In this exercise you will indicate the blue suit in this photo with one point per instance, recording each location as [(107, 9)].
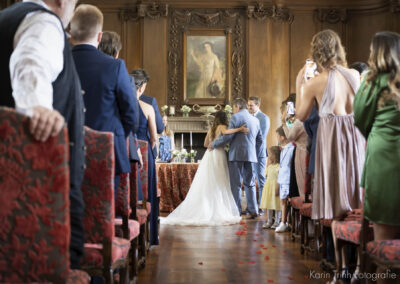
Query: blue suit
[(109, 99), (244, 151), (260, 166)]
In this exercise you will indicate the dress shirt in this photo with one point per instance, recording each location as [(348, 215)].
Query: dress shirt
[(37, 59)]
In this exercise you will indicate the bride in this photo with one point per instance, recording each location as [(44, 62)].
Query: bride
[(209, 201)]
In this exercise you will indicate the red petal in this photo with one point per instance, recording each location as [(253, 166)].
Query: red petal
[(223, 269), (240, 262), (200, 263), (254, 240), (284, 251), (242, 223), (290, 278), (305, 276), (270, 281), (261, 245), (258, 252), (274, 246), (252, 262), (266, 257), (265, 248)]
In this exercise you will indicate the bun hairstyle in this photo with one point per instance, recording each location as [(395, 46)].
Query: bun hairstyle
[(327, 49)]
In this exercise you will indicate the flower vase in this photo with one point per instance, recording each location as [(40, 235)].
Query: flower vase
[(185, 114), (192, 159)]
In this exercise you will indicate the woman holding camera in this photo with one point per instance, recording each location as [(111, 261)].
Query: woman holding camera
[(340, 146)]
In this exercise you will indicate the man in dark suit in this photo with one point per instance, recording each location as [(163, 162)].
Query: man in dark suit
[(109, 100), (151, 101)]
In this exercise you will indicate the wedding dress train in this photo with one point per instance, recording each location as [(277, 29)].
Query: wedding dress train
[(209, 201)]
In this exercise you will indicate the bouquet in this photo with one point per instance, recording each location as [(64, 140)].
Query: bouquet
[(164, 109), (228, 109)]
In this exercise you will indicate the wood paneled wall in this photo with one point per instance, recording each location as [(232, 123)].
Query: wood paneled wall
[(277, 44)]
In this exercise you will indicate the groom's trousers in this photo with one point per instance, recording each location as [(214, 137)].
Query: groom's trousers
[(243, 171)]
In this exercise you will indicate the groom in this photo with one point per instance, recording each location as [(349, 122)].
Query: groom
[(244, 150)]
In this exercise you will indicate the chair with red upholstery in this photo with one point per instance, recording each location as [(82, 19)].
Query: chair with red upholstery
[(295, 205), (104, 253), (384, 254), (34, 205), (142, 207), (124, 227)]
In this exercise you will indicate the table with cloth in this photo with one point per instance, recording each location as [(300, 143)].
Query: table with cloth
[(173, 182)]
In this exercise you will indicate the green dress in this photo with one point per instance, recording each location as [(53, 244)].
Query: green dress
[(381, 174)]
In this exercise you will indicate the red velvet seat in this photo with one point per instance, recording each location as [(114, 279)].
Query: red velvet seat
[(385, 252), (296, 202), (34, 205), (104, 252)]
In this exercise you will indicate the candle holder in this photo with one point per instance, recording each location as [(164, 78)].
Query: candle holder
[(171, 110)]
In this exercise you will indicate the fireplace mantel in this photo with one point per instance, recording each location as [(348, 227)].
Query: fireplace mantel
[(199, 124)]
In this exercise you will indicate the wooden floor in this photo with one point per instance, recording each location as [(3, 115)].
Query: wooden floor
[(220, 255)]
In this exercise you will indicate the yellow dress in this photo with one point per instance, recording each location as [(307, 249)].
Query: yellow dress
[(268, 198)]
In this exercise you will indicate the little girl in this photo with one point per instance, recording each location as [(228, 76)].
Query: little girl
[(270, 196), (284, 176)]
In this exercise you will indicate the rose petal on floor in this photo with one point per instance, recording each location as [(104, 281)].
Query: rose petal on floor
[(290, 278), (258, 252), (223, 269), (261, 245), (200, 263), (266, 257), (252, 262), (270, 281)]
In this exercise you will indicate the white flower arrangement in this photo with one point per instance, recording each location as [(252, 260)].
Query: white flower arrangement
[(228, 109), (192, 154), (185, 109), (164, 108)]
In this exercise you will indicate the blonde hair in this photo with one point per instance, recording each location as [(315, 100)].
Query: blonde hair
[(385, 58), (86, 22), (327, 49)]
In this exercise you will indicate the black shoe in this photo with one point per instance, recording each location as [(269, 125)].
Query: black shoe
[(260, 212), (252, 216)]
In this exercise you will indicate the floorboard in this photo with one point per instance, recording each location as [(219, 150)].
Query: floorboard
[(220, 255)]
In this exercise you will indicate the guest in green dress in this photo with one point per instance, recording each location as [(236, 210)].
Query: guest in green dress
[(377, 115)]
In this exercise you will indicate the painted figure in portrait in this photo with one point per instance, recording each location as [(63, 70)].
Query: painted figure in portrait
[(206, 61)]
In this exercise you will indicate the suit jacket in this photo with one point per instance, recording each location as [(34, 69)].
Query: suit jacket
[(243, 147), (264, 125), (109, 100), (152, 101)]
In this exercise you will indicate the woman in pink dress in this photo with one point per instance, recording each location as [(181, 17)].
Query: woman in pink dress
[(340, 146)]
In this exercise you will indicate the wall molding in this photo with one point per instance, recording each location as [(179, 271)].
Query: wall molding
[(152, 11), (331, 16), (262, 13), (231, 21), (395, 6)]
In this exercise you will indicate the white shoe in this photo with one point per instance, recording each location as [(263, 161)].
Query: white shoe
[(281, 228), (274, 226), (267, 225)]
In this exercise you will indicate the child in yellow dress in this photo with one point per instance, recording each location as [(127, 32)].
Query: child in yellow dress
[(270, 196)]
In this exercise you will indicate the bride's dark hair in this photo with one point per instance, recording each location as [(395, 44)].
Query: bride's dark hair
[(220, 118)]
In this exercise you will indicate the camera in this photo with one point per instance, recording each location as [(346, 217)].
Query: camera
[(290, 108), (311, 68)]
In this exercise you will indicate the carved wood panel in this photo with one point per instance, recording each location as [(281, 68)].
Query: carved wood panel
[(231, 21)]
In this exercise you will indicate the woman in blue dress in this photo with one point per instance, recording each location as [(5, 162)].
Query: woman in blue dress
[(165, 142), (148, 132)]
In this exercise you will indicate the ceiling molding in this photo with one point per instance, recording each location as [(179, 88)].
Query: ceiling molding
[(261, 13)]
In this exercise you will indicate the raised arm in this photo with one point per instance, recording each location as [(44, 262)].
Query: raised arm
[(222, 140), (305, 95), (224, 130)]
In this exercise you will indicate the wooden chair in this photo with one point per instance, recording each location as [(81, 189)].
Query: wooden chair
[(34, 206), (124, 226), (104, 253)]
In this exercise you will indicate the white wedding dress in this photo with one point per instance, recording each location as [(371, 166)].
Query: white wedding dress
[(209, 201)]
